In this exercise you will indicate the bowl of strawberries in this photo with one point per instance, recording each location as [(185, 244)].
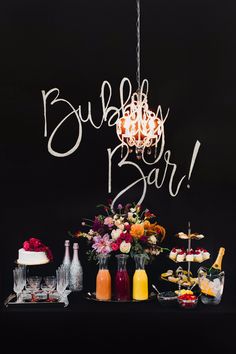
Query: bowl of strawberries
[(188, 301)]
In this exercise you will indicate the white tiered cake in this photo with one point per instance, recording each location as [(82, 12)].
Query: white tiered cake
[(31, 258), (34, 252)]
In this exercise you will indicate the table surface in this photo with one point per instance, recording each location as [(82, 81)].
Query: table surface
[(214, 326)]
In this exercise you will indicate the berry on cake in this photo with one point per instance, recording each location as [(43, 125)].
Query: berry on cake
[(34, 252)]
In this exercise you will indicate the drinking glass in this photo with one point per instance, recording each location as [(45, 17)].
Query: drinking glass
[(23, 269), (62, 281), (46, 289), (34, 282), (18, 280), (50, 282)]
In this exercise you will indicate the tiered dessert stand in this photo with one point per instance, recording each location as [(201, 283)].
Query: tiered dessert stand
[(190, 282)]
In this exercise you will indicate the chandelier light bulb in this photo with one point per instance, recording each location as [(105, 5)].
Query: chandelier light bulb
[(139, 127)]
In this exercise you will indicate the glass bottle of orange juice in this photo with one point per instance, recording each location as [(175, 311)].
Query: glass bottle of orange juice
[(103, 280), (140, 279)]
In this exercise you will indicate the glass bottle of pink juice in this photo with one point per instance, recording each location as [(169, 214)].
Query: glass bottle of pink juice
[(122, 281)]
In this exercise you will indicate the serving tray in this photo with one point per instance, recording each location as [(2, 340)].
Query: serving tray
[(11, 302), (92, 297)]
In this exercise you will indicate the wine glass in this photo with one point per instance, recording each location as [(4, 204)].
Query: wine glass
[(50, 282), (45, 289), (18, 280), (34, 282)]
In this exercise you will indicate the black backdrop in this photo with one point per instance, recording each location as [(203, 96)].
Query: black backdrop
[(187, 53)]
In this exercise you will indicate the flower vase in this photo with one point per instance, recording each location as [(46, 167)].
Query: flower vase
[(103, 279), (140, 279), (122, 281)]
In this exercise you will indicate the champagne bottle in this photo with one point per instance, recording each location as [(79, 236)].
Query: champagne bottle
[(217, 265), (212, 282), (76, 271), (66, 260)]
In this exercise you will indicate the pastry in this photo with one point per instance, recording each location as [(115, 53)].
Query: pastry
[(205, 254), (173, 254), (198, 256), (190, 256), (181, 256)]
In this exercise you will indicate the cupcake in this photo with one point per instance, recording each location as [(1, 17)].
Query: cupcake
[(198, 256), (190, 256), (205, 254), (181, 256), (173, 254)]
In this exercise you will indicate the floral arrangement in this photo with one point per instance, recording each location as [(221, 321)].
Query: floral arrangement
[(35, 245), (128, 230)]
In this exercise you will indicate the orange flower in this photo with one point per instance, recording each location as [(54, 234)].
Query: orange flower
[(137, 230), (156, 229), (146, 224), (78, 234), (162, 231)]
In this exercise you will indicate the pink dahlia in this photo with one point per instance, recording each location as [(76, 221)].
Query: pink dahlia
[(102, 244)]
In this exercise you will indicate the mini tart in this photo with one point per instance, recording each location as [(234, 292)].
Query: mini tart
[(194, 236), (173, 279), (182, 235), (167, 274)]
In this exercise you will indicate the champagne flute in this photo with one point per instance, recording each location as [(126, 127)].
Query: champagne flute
[(18, 280), (61, 280)]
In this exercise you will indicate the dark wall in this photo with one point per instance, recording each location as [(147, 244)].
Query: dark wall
[(187, 53)]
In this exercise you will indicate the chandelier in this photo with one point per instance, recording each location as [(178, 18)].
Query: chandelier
[(139, 128)]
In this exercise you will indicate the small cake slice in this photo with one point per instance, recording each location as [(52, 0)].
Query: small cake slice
[(205, 254), (181, 256), (198, 256), (173, 254), (190, 256)]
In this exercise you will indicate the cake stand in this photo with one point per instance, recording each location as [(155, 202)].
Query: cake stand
[(191, 282)]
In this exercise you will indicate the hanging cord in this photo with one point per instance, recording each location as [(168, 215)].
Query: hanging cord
[(138, 46)]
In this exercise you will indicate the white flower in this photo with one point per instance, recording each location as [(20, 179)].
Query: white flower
[(130, 216), (117, 222), (115, 234), (91, 232), (121, 227), (133, 210), (89, 237), (152, 239), (125, 247)]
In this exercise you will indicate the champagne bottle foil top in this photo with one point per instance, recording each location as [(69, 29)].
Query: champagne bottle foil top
[(67, 242), (75, 246)]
